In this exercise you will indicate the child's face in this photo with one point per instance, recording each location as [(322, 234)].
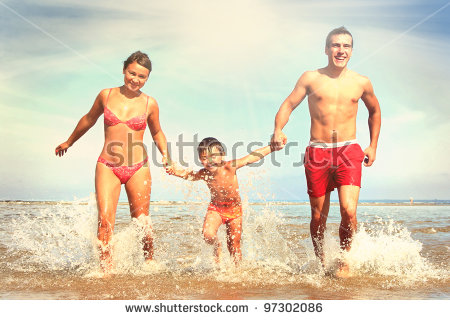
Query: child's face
[(211, 161)]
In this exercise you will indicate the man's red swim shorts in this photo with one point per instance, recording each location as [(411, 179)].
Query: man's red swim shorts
[(328, 167)]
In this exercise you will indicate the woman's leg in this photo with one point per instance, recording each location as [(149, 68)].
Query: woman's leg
[(107, 187), (138, 189)]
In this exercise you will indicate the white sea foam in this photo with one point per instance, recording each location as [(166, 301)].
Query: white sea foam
[(387, 248), (57, 237), (63, 237)]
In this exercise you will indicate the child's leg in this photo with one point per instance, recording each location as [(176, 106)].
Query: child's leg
[(234, 232), (212, 223)]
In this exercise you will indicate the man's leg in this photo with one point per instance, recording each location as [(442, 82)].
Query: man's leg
[(348, 201), (319, 214)]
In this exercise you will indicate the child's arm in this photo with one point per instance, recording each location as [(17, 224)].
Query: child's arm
[(255, 156), (183, 173)]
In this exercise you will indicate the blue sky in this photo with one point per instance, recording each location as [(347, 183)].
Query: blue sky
[(221, 69)]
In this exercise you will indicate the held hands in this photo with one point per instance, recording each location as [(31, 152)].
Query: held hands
[(62, 149), (167, 162), (278, 141), (169, 165), (171, 168), (370, 156), (175, 170)]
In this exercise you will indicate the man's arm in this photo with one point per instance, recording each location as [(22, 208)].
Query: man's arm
[(372, 105), (292, 101), (252, 157)]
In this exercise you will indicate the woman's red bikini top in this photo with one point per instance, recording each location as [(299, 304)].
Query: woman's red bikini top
[(136, 123)]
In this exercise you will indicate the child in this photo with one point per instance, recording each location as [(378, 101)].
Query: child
[(225, 206)]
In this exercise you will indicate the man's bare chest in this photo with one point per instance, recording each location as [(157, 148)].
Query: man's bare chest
[(341, 92)]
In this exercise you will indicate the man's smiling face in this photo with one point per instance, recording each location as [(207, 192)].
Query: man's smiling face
[(339, 50)]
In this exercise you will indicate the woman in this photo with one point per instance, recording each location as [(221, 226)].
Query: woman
[(123, 159)]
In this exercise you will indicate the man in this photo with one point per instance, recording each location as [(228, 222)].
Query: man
[(333, 158)]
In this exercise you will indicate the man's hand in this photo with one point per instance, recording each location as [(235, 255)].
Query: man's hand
[(278, 141), (370, 156)]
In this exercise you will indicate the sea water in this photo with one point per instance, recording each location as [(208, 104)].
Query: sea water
[(48, 250)]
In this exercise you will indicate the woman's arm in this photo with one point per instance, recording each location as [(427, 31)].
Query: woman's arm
[(157, 134), (85, 123)]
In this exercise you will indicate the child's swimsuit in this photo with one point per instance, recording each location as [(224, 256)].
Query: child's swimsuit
[(124, 173), (328, 166), (228, 211)]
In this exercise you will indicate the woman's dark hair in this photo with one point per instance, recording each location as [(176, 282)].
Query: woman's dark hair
[(141, 58)]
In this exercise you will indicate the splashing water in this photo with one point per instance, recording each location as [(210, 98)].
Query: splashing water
[(277, 249), (56, 237), (387, 249)]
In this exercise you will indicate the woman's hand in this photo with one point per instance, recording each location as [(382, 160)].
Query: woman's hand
[(170, 169), (174, 169), (62, 149), (166, 161)]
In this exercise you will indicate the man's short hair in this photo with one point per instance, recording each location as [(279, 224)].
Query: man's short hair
[(340, 30)]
